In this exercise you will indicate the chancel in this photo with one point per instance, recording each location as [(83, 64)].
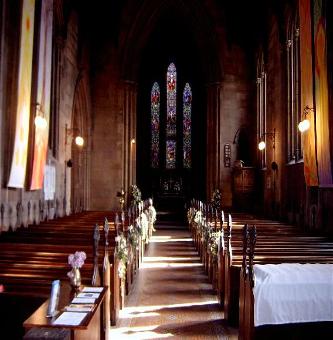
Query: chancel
[(184, 147)]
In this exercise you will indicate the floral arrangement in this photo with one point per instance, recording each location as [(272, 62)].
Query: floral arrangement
[(143, 224), (191, 214), (216, 199), (133, 236), (122, 254), (198, 218), (213, 244), (134, 194), (77, 260), (121, 249)]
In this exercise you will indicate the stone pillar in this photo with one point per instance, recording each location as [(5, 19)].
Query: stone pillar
[(213, 169), (129, 152)]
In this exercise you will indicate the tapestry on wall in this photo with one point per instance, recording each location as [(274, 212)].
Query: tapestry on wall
[(321, 94), (43, 94), (19, 161)]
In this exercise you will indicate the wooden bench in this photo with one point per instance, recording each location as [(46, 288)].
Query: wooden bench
[(246, 297), (28, 265), (275, 246)]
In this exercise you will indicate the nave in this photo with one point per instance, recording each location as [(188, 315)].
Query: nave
[(160, 288), (172, 297)]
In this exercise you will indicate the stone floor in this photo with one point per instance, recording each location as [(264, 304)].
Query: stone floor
[(171, 297)]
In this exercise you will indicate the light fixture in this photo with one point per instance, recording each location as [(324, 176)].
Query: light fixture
[(262, 143), (304, 125), (133, 141), (40, 121), (79, 141)]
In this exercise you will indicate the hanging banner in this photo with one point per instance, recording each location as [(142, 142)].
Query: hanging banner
[(321, 94), (308, 137), (43, 94), (19, 161)]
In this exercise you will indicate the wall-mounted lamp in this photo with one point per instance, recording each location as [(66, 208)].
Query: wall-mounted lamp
[(40, 121), (133, 141), (304, 125), (79, 141), (262, 143)]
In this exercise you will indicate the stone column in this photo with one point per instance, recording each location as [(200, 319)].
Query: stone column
[(213, 168), (129, 148)]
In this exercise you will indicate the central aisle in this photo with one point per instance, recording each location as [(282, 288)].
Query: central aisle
[(171, 296)]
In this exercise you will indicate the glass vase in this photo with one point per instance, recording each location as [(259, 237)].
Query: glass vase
[(75, 278)]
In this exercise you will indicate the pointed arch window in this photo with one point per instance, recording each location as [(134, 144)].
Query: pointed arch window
[(155, 124), (261, 106), (295, 151), (172, 138), (187, 122), (171, 128), (171, 100)]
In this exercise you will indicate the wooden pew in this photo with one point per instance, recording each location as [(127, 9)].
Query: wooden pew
[(246, 299), (274, 243), (37, 264)]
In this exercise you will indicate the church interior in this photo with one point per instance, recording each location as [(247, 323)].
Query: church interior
[(183, 146)]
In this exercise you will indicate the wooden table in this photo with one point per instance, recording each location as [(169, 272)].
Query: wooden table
[(90, 328)]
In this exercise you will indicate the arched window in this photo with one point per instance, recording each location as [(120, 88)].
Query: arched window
[(155, 125), (171, 143), (187, 108), (293, 85), (171, 100), (261, 105), (171, 137)]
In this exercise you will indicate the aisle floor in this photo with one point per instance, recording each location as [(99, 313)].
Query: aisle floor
[(171, 296)]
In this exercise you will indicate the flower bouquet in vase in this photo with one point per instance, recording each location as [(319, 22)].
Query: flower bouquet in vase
[(76, 261)]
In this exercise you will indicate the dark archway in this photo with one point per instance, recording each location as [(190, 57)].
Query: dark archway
[(179, 32), (171, 42), (79, 162)]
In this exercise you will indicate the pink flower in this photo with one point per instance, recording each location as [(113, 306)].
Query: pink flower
[(77, 260)]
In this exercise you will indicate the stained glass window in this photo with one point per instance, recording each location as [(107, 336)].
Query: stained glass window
[(170, 124), (171, 100), (170, 154), (155, 125), (187, 108)]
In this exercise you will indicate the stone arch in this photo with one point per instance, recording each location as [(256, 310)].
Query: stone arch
[(81, 122), (198, 22)]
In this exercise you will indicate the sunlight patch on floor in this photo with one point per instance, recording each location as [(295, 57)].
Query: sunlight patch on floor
[(143, 332), (160, 237), (171, 258), (146, 265), (124, 314), (157, 240), (145, 309)]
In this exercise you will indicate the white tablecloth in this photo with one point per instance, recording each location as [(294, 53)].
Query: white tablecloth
[(293, 293)]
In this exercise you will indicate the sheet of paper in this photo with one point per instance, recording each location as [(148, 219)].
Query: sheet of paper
[(70, 318), (92, 289), (83, 300), (79, 307), (88, 295)]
